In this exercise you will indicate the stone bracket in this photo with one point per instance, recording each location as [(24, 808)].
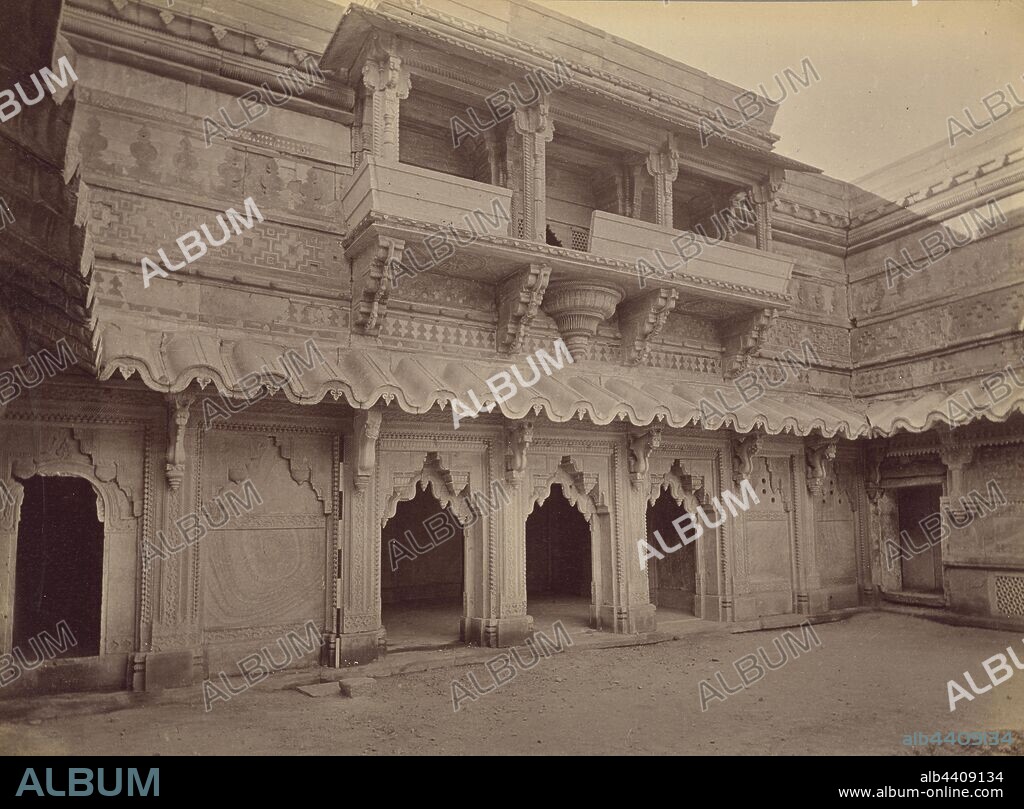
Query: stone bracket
[(743, 342), (518, 438), (641, 444), (641, 320), (178, 414), (377, 284), (366, 426), (744, 450), (519, 298), (817, 453)]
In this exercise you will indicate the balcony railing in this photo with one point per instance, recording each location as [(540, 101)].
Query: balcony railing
[(421, 195), (665, 249)]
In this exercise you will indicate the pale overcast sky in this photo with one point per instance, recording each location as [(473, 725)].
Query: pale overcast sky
[(892, 73)]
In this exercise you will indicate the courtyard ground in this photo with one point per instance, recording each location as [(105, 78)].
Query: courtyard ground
[(876, 678)]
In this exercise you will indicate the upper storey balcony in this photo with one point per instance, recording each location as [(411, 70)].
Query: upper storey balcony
[(585, 216)]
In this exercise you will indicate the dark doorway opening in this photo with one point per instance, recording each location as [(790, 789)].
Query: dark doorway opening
[(921, 561), (58, 574), (559, 575), (673, 580), (422, 574)]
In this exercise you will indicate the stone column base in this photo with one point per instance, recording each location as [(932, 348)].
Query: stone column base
[(638, 618), (495, 632), (351, 648), (153, 671)]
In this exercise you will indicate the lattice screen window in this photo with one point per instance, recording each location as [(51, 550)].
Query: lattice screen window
[(580, 239), (1010, 595)]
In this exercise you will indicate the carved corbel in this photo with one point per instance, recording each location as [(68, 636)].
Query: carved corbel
[(641, 444), (366, 425), (873, 486), (641, 320), (178, 413), (518, 438), (743, 342), (378, 282), (519, 298), (744, 450), (817, 454)]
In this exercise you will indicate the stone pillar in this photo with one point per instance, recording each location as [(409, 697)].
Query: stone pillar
[(358, 583), (510, 624), (663, 166), (386, 83), (532, 129), (640, 612)]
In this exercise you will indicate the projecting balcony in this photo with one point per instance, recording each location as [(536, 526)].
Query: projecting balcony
[(400, 195), (679, 256)]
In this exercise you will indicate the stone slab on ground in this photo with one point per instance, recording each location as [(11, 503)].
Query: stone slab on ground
[(319, 689), (357, 686)]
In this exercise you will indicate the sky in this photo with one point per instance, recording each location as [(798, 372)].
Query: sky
[(892, 72)]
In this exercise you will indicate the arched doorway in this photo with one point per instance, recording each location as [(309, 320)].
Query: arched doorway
[(559, 569), (673, 579), (422, 574), (58, 574)]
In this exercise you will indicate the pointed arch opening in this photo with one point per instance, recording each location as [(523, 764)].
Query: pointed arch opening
[(423, 562), (673, 579), (559, 561), (58, 572)]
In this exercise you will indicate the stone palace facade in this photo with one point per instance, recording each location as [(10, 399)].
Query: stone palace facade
[(398, 204)]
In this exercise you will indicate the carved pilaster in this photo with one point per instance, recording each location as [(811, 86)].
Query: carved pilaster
[(641, 445), (641, 320), (956, 456), (178, 413), (377, 281), (744, 450), (387, 82), (366, 426), (663, 166), (817, 454), (741, 342), (534, 129), (518, 438), (519, 298)]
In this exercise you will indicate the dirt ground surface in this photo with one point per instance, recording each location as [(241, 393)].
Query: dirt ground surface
[(876, 678)]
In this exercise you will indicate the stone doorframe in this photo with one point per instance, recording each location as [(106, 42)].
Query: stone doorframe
[(688, 491), (884, 516), (120, 546)]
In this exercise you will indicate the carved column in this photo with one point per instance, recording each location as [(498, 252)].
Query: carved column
[(358, 582), (531, 130), (386, 82), (761, 197), (663, 166), (873, 578)]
